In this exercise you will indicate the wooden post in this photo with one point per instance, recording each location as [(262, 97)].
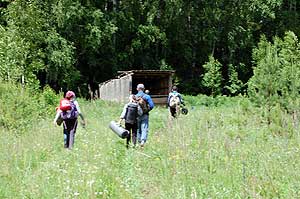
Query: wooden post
[(23, 82), (170, 84), (96, 94), (90, 91), (79, 91)]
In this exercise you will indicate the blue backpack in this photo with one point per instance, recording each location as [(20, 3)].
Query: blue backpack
[(70, 114)]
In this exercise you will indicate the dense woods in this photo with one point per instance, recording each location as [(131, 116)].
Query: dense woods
[(71, 43)]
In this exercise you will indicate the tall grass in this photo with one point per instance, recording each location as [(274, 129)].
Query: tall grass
[(224, 151)]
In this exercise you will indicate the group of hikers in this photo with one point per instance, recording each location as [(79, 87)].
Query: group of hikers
[(135, 114)]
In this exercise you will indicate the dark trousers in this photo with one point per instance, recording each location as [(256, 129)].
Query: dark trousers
[(173, 111), (69, 132), (132, 128)]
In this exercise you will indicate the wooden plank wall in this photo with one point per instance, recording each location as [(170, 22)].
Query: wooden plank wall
[(125, 89), (116, 89), (120, 89), (159, 99)]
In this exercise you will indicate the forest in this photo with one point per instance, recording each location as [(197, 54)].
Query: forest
[(214, 46)]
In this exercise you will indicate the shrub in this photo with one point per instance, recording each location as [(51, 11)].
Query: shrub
[(209, 101), (213, 76), (276, 78), (20, 107)]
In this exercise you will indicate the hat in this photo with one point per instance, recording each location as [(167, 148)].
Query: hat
[(70, 94), (140, 86)]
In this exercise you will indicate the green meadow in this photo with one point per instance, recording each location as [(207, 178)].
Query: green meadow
[(223, 148)]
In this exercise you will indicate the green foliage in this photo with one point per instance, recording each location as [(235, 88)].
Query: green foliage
[(19, 42), (98, 30), (280, 121), (164, 65), (218, 101), (65, 13), (91, 40), (276, 76), (290, 72), (235, 85), (264, 86), (13, 53), (213, 76), (148, 37), (22, 107), (48, 99), (60, 66)]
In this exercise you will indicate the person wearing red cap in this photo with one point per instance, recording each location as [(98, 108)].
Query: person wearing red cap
[(68, 111)]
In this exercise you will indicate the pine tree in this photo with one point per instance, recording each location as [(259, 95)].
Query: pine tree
[(276, 78), (213, 76)]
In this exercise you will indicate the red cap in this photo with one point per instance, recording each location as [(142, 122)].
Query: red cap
[(70, 94)]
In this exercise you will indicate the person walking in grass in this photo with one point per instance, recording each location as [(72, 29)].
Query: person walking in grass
[(147, 105), (174, 101), (68, 112), (130, 113)]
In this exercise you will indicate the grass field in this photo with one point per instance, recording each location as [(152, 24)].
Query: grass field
[(226, 151)]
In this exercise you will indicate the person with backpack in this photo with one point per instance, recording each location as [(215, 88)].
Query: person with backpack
[(68, 112), (174, 101), (147, 105), (130, 113)]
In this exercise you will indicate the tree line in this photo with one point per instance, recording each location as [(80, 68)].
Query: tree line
[(216, 47)]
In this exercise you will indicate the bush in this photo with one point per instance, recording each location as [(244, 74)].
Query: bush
[(276, 78), (49, 99), (209, 101), (20, 108)]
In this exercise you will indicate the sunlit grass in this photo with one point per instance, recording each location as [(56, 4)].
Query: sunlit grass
[(213, 152)]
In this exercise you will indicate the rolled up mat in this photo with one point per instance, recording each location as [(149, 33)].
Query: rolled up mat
[(118, 129), (184, 111)]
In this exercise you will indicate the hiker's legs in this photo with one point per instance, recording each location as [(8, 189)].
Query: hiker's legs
[(177, 110), (70, 129), (66, 138), (144, 128), (71, 140), (128, 127), (134, 132), (173, 112), (139, 130), (72, 134), (132, 128)]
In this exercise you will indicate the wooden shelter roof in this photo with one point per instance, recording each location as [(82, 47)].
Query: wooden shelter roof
[(146, 72)]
